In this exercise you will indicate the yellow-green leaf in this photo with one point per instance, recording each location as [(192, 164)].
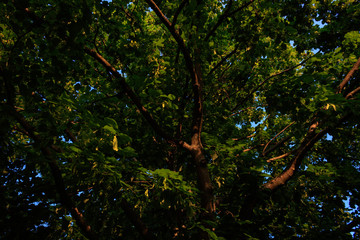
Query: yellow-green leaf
[(115, 144)]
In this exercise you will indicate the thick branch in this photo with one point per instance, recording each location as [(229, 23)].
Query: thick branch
[(181, 109), (176, 35), (198, 106), (130, 93), (348, 76), (195, 74), (69, 134), (306, 145), (300, 153), (59, 182), (196, 147), (311, 138)]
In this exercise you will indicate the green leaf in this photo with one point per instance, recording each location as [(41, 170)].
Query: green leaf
[(110, 129), (75, 149), (111, 122)]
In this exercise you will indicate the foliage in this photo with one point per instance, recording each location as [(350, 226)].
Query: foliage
[(179, 119)]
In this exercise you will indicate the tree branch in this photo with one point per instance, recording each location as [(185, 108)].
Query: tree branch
[(251, 148), (263, 153), (65, 197), (176, 35), (181, 6), (221, 19), (226, 14), (348, 76), (222, 61), (267, 79), (241, 8), (198, 105), (280, 157), (59, 182), (70, 135), (352, 93), (196, 148), (276, 145), (309, 141), (242, 110), (130, 93), (195, 74)]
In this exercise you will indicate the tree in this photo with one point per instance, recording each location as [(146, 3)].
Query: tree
[(180, 119)]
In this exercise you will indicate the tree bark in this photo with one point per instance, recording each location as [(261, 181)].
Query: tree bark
[(204, 181)]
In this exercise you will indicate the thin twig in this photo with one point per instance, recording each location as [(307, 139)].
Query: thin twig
[(267, 79), (352, 93), (277, 145), (279, 157), (226, 14), (242, 110), (222, 61), (221, 19), (276, 136)]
